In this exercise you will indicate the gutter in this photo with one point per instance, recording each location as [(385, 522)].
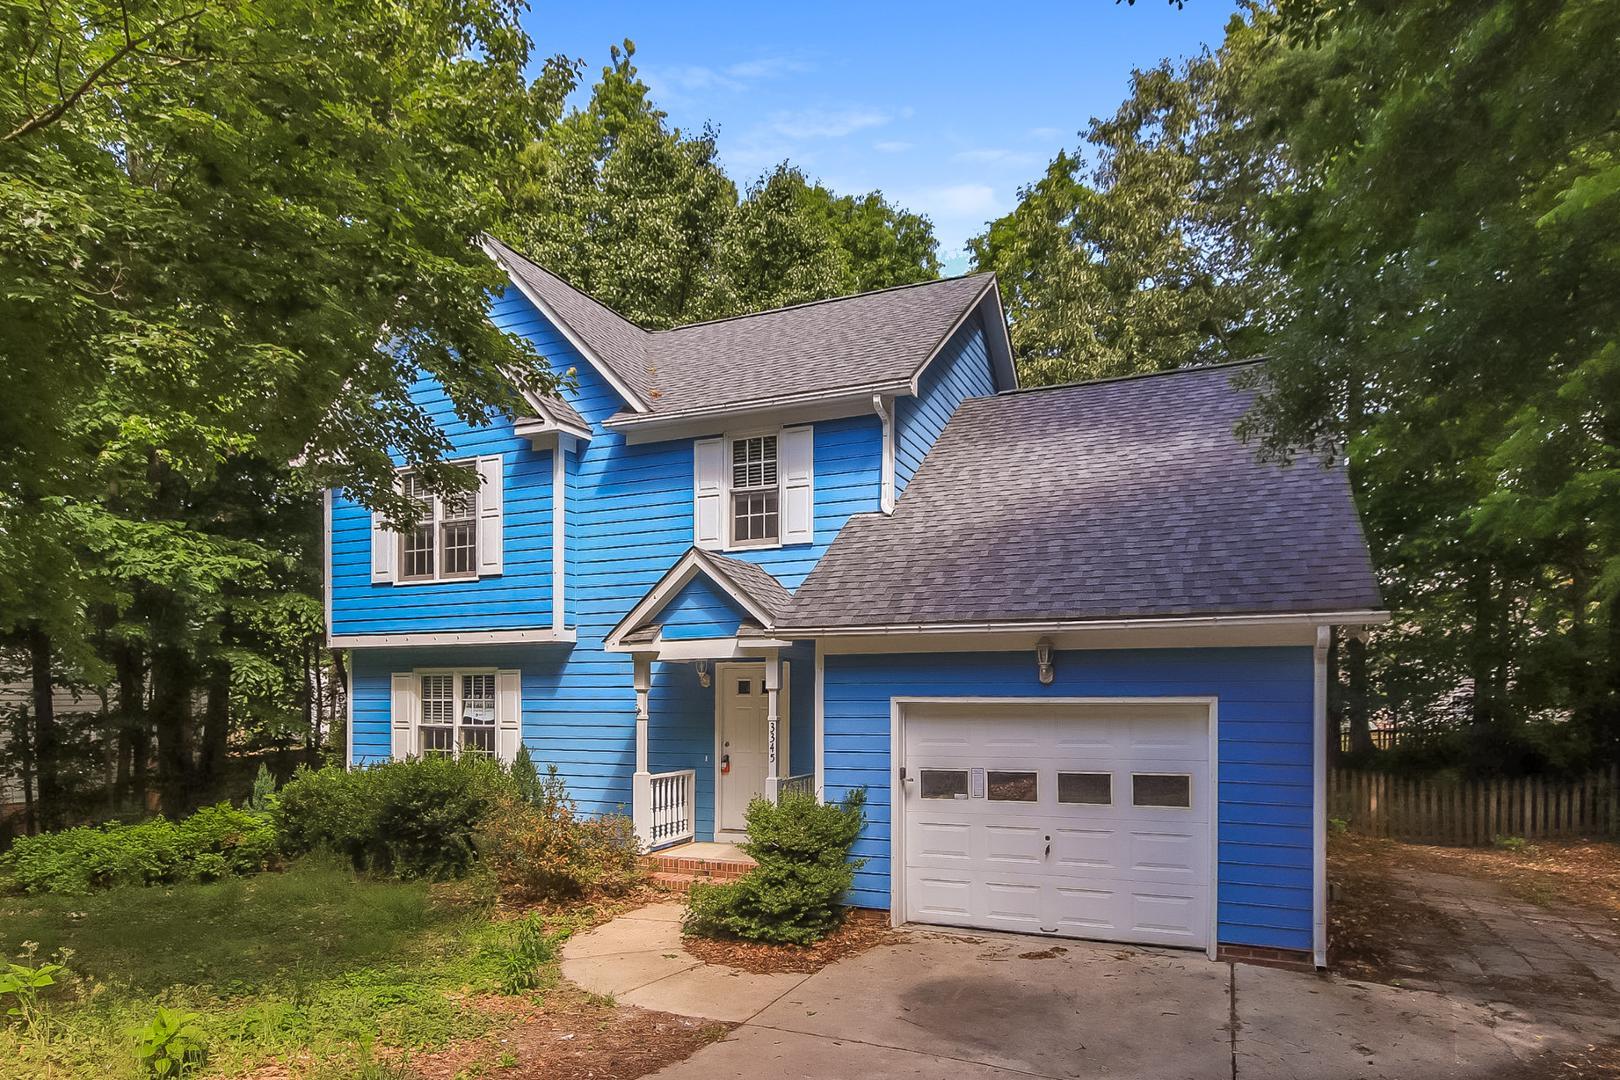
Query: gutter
[(1325, 618)]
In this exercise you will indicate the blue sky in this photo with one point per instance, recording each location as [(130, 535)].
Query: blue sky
[(947, 107)]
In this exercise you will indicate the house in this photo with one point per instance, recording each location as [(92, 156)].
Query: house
[(1071, 641)]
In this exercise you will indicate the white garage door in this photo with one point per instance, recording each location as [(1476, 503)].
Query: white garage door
[(1076, 820)]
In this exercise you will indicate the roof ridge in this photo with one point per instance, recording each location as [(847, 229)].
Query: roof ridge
[(823, 300), (1133, 377)]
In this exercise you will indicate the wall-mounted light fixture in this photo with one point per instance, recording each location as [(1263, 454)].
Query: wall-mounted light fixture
[(1043, 661), (703, 672)]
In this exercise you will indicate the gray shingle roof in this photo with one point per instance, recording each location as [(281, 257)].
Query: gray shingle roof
[(872, 340), (1127, 498), (752, 580)]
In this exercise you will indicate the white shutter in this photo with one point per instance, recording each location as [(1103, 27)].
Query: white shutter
[(708, 493), (384, 550), (508, 715), (491, 483), (403, 708), (796, 451)]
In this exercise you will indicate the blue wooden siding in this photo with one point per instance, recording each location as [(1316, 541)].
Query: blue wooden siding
[(961, 370), (700, 610), (1265, 778), (629, 520), (519, 597)]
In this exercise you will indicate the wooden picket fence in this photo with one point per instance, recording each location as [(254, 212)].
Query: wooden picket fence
[(1475, 812)]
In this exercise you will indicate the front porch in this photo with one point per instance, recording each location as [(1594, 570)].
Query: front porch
[(683, 865), (716, 695)]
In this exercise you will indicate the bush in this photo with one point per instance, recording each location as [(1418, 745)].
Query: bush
[(213, 842), (413, 819), (792, 896), (540, 849)]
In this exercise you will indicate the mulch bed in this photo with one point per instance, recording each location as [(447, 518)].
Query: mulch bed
[(571, 1035), (862, 930)]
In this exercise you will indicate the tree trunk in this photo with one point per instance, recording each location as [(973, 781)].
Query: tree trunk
[(340, 700), (1355, 695), (22, 744), (216, 726), (132, 744), (46, 781), (173, 680)]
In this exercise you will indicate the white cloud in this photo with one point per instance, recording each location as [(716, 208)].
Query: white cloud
[(817, 123), (891, 146), (769, 67)]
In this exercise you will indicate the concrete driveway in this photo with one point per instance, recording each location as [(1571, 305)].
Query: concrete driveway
[(989, 1005)]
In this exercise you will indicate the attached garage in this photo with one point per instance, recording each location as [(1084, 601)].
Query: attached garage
[(1088, 819)]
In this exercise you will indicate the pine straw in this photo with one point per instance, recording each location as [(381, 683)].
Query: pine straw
[(572, 1035), (861, 930)]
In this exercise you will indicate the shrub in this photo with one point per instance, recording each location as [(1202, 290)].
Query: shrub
[(413, 819), (539, 848), (792, 896), (211, 843), (531, 948), (172, 1044)]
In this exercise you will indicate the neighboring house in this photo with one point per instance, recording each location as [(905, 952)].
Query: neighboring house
[(1071, 641)]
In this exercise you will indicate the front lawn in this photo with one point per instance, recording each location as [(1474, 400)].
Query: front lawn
[(313, 971)]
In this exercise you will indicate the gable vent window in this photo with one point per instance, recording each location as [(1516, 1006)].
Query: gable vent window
[(755, 496)]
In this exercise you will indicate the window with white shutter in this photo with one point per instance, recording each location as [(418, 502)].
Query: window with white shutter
[(754, 491), (457, 536), (460, 713)]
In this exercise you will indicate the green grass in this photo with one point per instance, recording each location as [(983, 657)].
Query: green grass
[(312, 966)]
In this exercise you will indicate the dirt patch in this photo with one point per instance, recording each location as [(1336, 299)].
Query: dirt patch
[(571, 1035), (862, 930), (1580, 872), (1044, 954)]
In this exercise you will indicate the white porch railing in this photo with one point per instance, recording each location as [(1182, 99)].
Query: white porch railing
[(803, 784), (674, 807)]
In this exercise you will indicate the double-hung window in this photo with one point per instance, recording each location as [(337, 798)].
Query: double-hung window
[(755, 492), (458, 714), (444, 543)]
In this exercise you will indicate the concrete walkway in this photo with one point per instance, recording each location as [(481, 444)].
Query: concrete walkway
[(993, 1005), (637, 959)]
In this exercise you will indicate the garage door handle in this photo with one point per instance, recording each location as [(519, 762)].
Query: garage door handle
[(1048, 847)]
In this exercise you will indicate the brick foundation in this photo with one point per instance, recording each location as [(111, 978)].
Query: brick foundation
[(1288, 959)]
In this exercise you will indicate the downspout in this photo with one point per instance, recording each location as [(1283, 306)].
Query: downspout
[(884, 407), (1319, 934)]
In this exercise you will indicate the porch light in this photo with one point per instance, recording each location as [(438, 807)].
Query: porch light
[(1043, 661), (703, 673)]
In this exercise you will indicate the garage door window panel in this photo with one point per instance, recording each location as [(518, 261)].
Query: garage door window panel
[(1168, 791), (1013, 787), (1086, 788), (944, 783)]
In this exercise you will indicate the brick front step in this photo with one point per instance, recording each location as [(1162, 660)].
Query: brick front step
[(678, 872), (1288, 959)]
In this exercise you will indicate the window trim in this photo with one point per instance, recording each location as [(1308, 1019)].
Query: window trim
[(729, 440), (436, 522), (457, 709)]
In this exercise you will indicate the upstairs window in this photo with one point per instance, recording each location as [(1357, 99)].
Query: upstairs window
[(443, 546), (755, 492)]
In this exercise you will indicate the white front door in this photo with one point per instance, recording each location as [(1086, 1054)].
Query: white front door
[(744, 742), (1078, 820)]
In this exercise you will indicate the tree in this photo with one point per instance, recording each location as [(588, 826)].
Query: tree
[(232, 231), (641, 216), (1450, 236), (619, 203), (1144, 261)]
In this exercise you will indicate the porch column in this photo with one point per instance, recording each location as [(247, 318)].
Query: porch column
[(773, 757), (641, 782)]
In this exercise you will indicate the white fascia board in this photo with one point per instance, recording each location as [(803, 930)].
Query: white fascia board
[(675, 578), (772, 412), (619, 385), (915, 383), (450, 637)]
